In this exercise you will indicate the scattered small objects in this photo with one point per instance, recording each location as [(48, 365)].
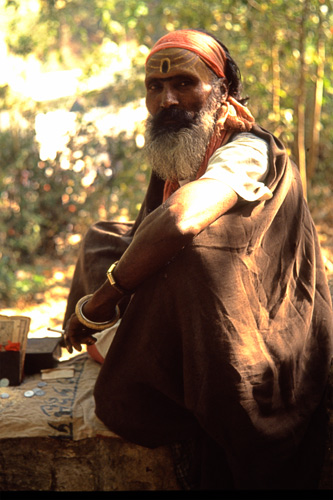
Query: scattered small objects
[(39, 392), (55, 373), (29, 394)]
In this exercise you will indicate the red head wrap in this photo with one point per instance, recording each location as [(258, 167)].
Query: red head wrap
[(205, 46)]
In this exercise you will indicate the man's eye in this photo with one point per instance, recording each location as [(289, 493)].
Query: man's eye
[(185, 83), (153, 86)]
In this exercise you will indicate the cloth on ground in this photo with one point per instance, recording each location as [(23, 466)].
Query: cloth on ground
[(65, 410)]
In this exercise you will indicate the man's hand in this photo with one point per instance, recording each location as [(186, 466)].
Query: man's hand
[(77, 334)]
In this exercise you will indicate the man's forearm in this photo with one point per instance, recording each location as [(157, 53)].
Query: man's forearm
[(172, 226), (155, 242), (153, 246), (161, 235)]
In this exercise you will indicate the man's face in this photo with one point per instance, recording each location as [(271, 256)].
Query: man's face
[(178, 84), (182, 98)]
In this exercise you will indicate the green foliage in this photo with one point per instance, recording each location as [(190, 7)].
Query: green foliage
[(19, 227), (45, 203), (77, 30)]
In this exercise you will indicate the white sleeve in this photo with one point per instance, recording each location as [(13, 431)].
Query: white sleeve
[(243, 165)]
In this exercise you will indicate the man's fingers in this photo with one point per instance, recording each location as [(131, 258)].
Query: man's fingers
[(77, 343), (77, 346), (68, 344), (85, 340), (76, 334)]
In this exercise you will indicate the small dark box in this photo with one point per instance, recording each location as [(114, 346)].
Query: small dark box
[(41, 354), (10, 366)]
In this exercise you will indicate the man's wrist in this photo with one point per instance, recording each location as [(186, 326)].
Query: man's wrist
[(114, 282), (89, 322), (101, 303)]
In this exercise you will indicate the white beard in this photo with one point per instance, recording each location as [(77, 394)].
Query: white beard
[(178, 155)]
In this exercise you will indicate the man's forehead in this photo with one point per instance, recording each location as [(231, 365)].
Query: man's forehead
[(175, 59)]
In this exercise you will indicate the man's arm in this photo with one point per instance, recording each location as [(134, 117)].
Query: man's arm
[(161, 235), (171, 226)]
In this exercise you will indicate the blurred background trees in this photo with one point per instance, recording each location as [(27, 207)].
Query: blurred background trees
[(72, 108)]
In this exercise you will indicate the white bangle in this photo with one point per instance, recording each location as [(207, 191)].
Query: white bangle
[(93, 324)]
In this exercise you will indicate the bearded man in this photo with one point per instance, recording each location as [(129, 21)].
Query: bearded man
[(225, 339)]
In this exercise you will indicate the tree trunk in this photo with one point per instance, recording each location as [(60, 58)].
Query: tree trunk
[(276, 80), (301, 102), (314, 146)]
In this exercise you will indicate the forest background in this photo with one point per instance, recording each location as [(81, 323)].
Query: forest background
[(72, 115)]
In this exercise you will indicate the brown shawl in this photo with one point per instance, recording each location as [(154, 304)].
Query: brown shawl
[(231, 340)]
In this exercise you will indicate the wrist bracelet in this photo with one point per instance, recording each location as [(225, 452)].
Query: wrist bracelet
[(93, 324)]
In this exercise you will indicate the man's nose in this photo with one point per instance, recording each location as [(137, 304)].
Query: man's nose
[(169, 97)]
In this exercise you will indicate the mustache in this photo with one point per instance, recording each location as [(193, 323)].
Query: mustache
[(172, 120)]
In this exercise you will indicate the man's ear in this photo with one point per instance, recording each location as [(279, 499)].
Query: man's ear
[(224, 88)]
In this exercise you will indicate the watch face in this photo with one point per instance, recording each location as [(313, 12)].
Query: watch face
[(112, 280)]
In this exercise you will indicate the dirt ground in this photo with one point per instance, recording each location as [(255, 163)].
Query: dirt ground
[(48, 309)]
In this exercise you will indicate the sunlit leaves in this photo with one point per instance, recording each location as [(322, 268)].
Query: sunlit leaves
[(46, 204)]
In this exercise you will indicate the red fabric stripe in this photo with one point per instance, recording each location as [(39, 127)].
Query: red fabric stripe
[(204, 45)]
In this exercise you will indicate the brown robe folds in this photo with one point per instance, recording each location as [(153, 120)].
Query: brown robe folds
[(230, 343)]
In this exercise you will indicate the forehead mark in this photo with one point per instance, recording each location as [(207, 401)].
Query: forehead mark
[(178, 59), (180, 62), (165, 65)]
